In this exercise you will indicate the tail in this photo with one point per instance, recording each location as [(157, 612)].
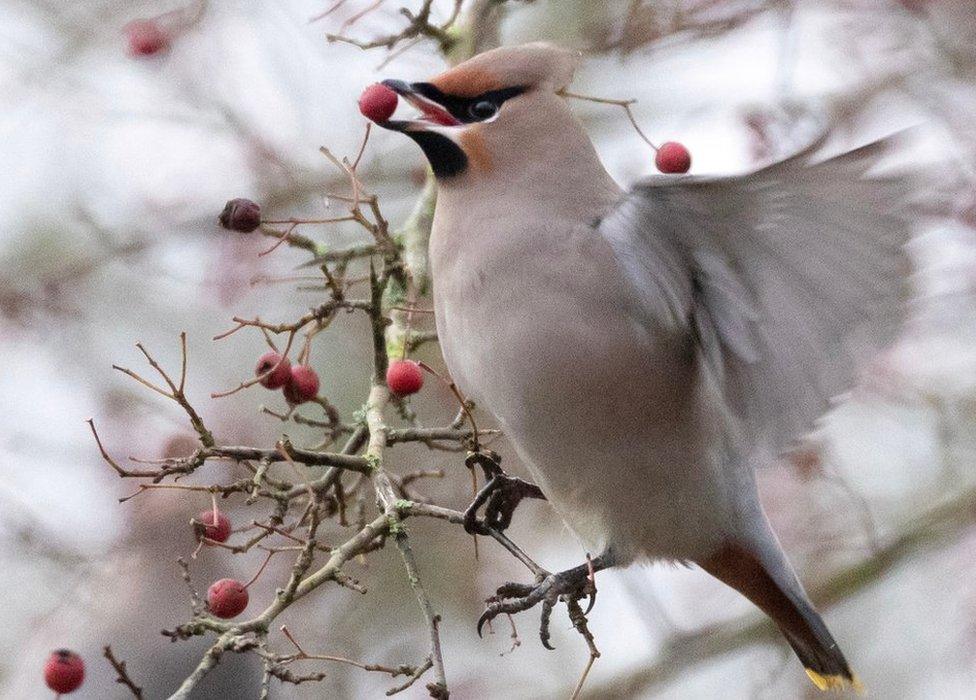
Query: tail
[(768, 581)]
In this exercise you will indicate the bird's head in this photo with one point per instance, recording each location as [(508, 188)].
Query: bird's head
[(489, 111)]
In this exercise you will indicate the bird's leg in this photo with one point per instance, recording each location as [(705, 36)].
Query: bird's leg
[(500, 496), (571, 585)]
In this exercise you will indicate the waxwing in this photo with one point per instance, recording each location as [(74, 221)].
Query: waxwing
[(644, 351)]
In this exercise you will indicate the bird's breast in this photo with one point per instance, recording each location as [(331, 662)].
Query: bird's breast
[(600, 408)]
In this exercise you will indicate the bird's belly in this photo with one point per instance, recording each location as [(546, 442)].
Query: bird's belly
[(605, 421)]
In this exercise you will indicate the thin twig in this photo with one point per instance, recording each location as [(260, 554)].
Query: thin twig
[(624, 104), (123, 674)]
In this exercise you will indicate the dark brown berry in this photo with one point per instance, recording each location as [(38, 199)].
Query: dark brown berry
[(241, 215)]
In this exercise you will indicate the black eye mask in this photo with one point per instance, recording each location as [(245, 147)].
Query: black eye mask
[(469, 110)]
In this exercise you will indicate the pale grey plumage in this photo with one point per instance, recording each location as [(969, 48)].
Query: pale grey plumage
[(644, 351), (793, 275)]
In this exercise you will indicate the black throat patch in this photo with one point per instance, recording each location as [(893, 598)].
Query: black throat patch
[(445, 157)]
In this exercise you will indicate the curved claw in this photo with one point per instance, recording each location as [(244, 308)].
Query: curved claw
[(570, 586), (486, 616), (592, 601), (544, 626)]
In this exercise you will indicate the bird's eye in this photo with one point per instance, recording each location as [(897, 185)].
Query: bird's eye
[(482, 110)]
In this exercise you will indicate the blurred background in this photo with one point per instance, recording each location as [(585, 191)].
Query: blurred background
[(117, 167)]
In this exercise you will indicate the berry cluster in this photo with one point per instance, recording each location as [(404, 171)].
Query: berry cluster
[(227, 597), (298, 383)]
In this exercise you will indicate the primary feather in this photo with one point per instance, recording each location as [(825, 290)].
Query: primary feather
[(794, 275)]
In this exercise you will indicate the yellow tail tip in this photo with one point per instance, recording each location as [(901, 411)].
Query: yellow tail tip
[(835, 682)]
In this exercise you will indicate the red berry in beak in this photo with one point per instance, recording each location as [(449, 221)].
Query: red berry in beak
[(378, 103), (64, 671), (281, 374), (241, 215), (146, 38), (206, 527), (672, 157), (227, 598), (302, 385), (404, 377)]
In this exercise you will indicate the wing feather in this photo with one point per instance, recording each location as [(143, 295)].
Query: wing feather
[(792, 274)]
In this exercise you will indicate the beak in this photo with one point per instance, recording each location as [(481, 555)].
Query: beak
[(432, 113)]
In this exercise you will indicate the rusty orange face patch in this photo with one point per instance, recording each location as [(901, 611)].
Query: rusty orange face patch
[(465, 82), (473, 144)]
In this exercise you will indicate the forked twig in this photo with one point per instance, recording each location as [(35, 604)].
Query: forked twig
[(623, 104)]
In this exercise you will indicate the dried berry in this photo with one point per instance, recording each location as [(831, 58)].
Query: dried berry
[(241, 215)]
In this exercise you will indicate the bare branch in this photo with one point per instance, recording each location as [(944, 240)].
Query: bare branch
[(623, 104), (123, 675)]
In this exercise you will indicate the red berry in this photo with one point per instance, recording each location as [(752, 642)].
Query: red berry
[(282, 370), (241, 215), (404, 377), (378, 102), (206, 527), (146, 38), (227, 598), (302, 386), (64, 671), (672, 157)]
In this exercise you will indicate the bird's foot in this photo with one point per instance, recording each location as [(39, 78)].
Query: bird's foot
[(571, 586), (500, 496)]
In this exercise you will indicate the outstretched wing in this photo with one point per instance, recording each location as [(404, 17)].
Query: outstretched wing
[(789, 276)]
